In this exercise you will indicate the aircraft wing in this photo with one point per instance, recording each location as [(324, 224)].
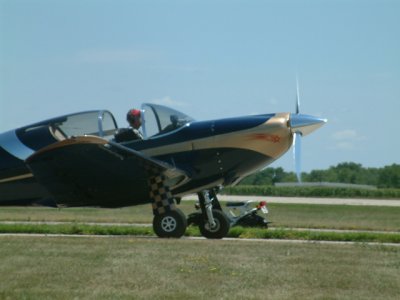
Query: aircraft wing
[(89, 170), (149, 164)]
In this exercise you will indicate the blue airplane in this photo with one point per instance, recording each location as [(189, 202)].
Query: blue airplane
[(84, 159)]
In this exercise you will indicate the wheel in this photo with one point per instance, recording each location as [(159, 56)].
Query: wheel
[(195, 218), (220, 229), (170, 224), (253, 220)]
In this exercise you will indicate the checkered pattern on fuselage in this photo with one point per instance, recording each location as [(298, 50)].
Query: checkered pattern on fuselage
[(160, 195)]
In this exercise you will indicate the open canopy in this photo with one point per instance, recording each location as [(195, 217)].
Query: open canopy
[(159, 120)]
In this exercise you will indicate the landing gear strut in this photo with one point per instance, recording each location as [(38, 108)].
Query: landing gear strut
[(213, 223), (169, 221)]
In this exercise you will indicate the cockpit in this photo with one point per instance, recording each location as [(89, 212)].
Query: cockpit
[(159, 120), (99, 123)]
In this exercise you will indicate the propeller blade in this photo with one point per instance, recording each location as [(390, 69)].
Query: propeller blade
[(297, 96), (297, 154)]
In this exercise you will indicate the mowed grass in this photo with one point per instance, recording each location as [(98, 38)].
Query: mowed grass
[(335, 217), (135, 268), (282, 215), (235, 232)]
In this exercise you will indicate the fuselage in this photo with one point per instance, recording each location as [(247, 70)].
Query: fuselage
[(212, 153), (17, 183), (220, 152)]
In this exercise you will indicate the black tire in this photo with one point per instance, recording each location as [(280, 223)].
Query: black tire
[(253, 220), (221, 228), (195, 219), (171, 224)]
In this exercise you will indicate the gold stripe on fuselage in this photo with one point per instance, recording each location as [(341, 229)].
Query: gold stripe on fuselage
[(14, 178), (87, 139), (272, 138)]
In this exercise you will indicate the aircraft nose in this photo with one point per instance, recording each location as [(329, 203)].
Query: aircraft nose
[(305, 124)]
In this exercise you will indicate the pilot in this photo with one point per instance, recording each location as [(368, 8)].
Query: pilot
[(134, 118), (132, 133)]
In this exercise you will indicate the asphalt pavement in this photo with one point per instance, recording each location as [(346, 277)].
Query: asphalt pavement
[(300, 200)]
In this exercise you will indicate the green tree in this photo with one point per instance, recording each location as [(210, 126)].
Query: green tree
[(389, 176), (347, 172)]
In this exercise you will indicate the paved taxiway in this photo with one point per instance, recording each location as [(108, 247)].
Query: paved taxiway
[(40, 235), (299, 200), (293, 200), (150, 225)]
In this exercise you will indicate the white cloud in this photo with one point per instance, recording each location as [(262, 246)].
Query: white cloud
[(180, 68), (168, 101), (345, 145), (346, 139), (273, 101), (345, 134), (113, 55)]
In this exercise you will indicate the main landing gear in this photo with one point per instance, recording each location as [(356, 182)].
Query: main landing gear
[(212, 221), (170, 222)]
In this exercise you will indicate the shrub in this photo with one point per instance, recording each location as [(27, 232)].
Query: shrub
[(324, 192)]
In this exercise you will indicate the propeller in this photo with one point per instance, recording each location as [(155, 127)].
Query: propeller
[(301, 125), (297, 154), (297, 137), (297, 96)]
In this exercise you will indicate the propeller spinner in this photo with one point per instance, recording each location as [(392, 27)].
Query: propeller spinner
[(301, 125)]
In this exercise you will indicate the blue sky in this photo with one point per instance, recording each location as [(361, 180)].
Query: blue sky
[(212, 59)]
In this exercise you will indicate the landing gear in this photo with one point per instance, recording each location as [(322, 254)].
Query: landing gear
[(212, 221), (171, 224), (169, 221), (216, 230)]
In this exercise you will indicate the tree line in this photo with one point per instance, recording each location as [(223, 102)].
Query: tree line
[(347, 172)]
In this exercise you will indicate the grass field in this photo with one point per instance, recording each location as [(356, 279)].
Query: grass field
[(282, 215), (126, 267), (134, 268)]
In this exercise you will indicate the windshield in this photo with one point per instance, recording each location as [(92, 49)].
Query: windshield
[(159, 119), (100, 123)]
